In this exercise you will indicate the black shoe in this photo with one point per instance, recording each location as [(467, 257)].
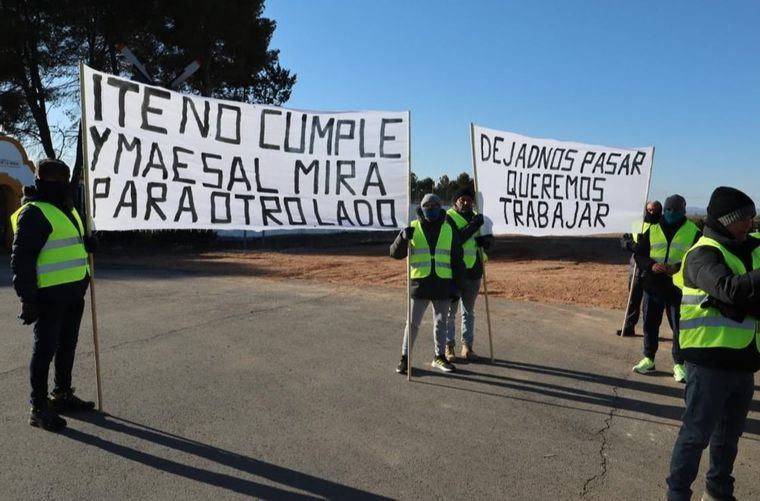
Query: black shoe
[(66, 401), (46, 418), (625, 333), (402, 365)]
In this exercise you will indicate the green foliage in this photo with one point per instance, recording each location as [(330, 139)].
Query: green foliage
[(43, 41), (445, 188)]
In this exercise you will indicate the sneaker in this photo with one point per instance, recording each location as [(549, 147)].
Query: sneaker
[(46, 418), (467, 353), (645, 366), (449, 352), (402, 365), (679, 373), (66, 401), (442, 364)]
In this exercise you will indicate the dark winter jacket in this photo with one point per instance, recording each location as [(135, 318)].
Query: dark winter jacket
[(659, 284), (705, 269), (32, 234), (432, 286), (464, 234)]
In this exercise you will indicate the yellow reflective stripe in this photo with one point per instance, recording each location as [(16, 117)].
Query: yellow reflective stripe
[(693, 299), (721, 321), (64, 265), (420, 250), (64, 242)]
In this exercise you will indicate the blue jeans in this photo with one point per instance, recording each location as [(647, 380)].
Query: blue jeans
[(654, 306), (469, 295), (717, 403)]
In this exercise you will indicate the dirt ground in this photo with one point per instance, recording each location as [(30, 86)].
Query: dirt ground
[(582, 271)]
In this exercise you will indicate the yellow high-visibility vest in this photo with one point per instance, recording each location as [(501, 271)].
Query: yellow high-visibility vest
[(470, 247), (637, 229), (706, 327), (672, 252), (421, 260), (63, 258)]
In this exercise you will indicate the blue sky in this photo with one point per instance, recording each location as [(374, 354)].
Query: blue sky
[(683, 76)]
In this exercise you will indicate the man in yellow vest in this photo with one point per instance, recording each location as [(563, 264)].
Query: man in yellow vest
[(653, 212), (467, 222), (51, 275), (658, 254), (720, 279), (436, 272)]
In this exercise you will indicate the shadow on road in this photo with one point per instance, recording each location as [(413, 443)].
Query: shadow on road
[(576, 394), (319, 488)]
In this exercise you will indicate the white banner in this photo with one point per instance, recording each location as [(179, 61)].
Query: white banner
[(163, 160), (543, 187)]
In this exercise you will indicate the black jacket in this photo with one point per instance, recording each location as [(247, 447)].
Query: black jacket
[(432, 286), (659, 284), (31, 236), (705, 269)]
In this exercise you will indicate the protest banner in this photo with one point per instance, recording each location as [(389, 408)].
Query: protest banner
[(541, 187), (163, 160)]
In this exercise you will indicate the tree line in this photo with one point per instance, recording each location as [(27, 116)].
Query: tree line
[(43, 41), (444, 187)]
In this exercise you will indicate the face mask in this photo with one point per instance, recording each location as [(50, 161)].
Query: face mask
[(652, 218), (432, 213), (673, 217)]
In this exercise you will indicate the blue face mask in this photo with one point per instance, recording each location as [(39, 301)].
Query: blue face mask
[(673, 217), (432, 213)]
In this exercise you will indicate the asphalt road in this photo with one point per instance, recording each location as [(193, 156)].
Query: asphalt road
[(226, 387)]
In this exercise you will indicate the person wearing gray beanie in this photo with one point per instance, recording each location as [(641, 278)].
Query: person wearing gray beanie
[(658, 255), (720, 279), (436, 271)]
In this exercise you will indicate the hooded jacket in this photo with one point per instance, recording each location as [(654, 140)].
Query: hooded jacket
[(432, 286), (705, 269), (33, 232)]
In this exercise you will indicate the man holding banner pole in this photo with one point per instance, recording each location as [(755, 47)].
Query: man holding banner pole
[(468, 223), (51, 276), (436, 270)]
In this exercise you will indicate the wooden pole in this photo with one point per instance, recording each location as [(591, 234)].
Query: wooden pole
[(635, 267), (408, 247), (90, 258), (480, 250)]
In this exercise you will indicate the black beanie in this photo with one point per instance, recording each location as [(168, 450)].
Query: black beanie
[(462, 192), (728, 205), (52, 167)]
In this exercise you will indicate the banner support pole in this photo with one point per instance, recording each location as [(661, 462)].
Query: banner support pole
[(88, 230), (480, 250), (635, 265), (408, 246)]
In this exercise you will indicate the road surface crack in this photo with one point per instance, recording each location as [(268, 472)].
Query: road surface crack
[(591, 482)]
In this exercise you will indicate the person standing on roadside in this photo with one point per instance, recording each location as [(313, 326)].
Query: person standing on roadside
[(436, 272), (468, 222), (720, 279), (51, 276), (658, 254), (635, 288)]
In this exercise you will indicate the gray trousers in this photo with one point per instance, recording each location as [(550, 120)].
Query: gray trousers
[(440, 311)]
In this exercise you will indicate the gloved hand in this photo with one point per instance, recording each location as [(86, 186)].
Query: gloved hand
[(484, 241), (407, 233), (478, 220), (91, 243), (626, 242), (30, 312)]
